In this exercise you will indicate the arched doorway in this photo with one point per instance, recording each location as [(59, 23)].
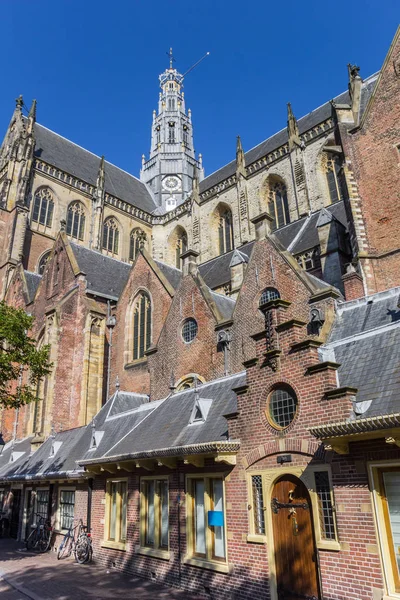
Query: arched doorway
[(294, 541)]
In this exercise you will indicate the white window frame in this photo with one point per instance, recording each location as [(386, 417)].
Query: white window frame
[(58, 512)]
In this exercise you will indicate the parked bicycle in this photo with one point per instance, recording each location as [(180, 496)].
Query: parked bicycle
[(40, 537), (77, 540)]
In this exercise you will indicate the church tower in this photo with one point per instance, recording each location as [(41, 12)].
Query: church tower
[(170, 170)]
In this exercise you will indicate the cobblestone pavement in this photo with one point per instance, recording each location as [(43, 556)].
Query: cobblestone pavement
[(30, 576)]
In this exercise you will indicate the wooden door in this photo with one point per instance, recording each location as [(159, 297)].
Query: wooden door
[(294, 543), (16, 504)]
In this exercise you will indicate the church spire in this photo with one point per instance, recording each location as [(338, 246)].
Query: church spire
[(170, 169)]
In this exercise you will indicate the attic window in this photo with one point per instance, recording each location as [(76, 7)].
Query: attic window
[(268, 295), (197, 414), (200, 410)]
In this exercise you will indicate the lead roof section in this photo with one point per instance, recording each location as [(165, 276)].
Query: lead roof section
[(365, 340), (67, 156)]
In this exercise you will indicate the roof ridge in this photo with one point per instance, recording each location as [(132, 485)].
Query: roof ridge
[(122, 262)]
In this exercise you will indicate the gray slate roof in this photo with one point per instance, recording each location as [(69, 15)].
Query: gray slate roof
[(32, 283), (305, 123), (105, 275), (216, 272), (225, 304), (173, 275), (365, 340), (64, 154)]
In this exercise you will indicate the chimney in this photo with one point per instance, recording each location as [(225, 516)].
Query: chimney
[(189, 262), (262, 224), (353, 284)]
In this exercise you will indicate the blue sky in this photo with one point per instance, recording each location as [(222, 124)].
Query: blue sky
[(93, 65)]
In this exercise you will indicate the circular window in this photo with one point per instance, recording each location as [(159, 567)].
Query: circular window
[(189, 330), (282, 407), (268, 295)]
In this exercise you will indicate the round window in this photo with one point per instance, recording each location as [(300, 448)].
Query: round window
[(189, 330), (282, 407)]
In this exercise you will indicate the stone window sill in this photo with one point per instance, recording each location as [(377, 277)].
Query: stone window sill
[(114, 545), (135, 363), (154, 552), (218, 567), (328, 545)]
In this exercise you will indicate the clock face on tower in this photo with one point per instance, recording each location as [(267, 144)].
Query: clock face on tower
[(171, 183)]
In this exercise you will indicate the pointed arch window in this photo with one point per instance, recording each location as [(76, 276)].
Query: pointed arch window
[(278, 206), (225, 232), (76, 220), (141, 325), (181, 247), (136, 239), (335, 177), (42, 262), (111, 236), (43, 207), (171, 103), (186, 135), (171, 132)]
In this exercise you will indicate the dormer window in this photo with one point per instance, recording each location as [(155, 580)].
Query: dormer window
[(200, 410)]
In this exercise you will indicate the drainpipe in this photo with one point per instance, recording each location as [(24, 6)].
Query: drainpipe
[(111, 322), (89, 505)]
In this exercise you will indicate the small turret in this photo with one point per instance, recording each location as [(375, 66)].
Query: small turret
[(292, 129), (240, 160)]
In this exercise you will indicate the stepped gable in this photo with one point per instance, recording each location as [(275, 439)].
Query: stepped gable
[(305, 123), (105, 276), (165, 424), (216, 272), (68, 156), (365, 340)]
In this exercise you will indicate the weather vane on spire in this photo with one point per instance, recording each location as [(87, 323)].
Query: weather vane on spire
[(171, 58)]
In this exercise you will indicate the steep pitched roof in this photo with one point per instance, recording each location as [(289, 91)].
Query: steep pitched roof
[(64, 154), (365, 340), (216, 272), (32, 283)]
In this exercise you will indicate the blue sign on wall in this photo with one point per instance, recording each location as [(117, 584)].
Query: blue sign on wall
[(216, 518)]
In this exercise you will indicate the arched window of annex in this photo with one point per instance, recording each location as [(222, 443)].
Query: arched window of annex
[(140, 325), (76, 220), (267, 295), (111, 235), (187, 382), (137, 239), (177, 245), (43, 207), (333, 171), (277, 199), (224, 221), (42, 262), (36, 408)]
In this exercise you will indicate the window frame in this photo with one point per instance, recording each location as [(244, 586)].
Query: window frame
[(115, 228), (77, 210), (291, 392), (226, 237), (207, 560), (46, 516), (278, 204), (58, 514), (157, 549), (390, 576), (119, 543), (38, 199), (136, 324)]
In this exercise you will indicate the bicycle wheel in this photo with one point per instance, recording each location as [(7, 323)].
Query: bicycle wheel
[(44, 541), (32, 540), (65, 548), (82, 550)]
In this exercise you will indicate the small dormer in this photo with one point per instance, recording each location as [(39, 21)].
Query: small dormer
[(200, 410), (96, 437)]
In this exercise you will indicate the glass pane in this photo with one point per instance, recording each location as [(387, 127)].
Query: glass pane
[(67, 503), (123, 510), (164, 513), (50, 213), (105, 232), (218, 505), (69, 221), (116, 241), (392, 490), (113, 510), (332, 186), (325, 505), (82, 227), (150, 513), (142, 323), (42, 502), (199, 517), (43, 208), (36, 207), (258, 505), (75, 226)]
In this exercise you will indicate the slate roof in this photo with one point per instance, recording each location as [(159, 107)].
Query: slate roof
[(173, 275), (216, 272), (64, 154), (105, 275), (308, 237), (165, 423), (32, 283), (365, 340), (225, 304), (305, 123), (19, 452)]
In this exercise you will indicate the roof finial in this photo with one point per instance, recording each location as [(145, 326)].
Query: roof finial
[(19, 102), (171, 58), (240, 160), (32, 111), (292, 128), (101, 175), (117, 384)]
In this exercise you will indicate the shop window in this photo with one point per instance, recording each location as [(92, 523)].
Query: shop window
[(67, 507), (116, 509), (154, 513), (206, 519)]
